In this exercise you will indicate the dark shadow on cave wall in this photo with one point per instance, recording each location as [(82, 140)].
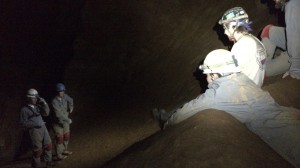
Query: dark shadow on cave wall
[(272, 10)]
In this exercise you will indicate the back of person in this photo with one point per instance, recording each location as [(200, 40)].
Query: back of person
[(248, 50), (251, 56), (240, 96)]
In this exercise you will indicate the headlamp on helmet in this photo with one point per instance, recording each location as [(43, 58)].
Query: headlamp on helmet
[(236, 16), (32, 93), (220, 61)]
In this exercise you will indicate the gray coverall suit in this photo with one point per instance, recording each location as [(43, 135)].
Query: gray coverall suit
[(292, 20), (62, 106), (32, 120), (287, 39), (239, 96), (274, 37)]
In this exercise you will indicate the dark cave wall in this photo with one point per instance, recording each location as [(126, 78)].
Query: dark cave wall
[(149, 50), (112, 54), (36, 43)]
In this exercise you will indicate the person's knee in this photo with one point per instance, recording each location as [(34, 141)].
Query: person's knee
[(67, 136), (266, 31), (48, 147), (37, 153), (59, 139)]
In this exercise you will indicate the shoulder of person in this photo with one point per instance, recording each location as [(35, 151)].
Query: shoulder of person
[(26, 107), (247, 39), (244, 44), (55, 99), (68, 96)]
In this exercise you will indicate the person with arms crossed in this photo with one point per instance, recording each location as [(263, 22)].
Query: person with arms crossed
[(62, 105)]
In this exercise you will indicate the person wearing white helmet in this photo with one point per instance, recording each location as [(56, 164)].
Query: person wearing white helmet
[(248, 50), (31, 119), (236, 94), (62, 105), (287, 39), (225, 85)]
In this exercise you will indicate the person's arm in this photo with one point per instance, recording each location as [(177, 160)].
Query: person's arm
[(70, 103), (245, 53), (202, 102), (43, 107)]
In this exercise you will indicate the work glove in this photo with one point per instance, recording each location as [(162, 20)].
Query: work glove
[(42, 100), (294, 75), (71, 110), (70, 121), (40, 124)]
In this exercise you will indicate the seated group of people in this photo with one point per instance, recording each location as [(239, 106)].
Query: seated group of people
[(235, 78)]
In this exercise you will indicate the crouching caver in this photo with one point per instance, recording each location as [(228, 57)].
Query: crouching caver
[(31, 119), (62, 105)]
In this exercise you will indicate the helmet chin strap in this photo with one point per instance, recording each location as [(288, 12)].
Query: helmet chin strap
[(231, 33)]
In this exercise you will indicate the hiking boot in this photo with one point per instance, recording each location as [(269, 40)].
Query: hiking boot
[(67, 153), (161, 116), (156, 114)]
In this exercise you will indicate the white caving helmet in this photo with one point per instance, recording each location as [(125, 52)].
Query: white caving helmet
[(236, 16), (220, 61), (32, 93)]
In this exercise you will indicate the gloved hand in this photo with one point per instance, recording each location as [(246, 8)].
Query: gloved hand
[(70, 121), (71, 110), (42, 100), (292, 74), (40, 124)]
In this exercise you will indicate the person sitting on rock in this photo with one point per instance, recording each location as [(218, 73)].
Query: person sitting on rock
[(248, 50)]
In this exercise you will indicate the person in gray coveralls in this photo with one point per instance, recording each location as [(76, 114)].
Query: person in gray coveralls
[(62, 105), (31, 119)]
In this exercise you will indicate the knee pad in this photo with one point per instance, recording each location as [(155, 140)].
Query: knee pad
[(59, 139), (48, 147), (265, 31), (67, 136)]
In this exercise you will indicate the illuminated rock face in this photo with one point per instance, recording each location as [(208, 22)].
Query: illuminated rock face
[(118, 59)]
